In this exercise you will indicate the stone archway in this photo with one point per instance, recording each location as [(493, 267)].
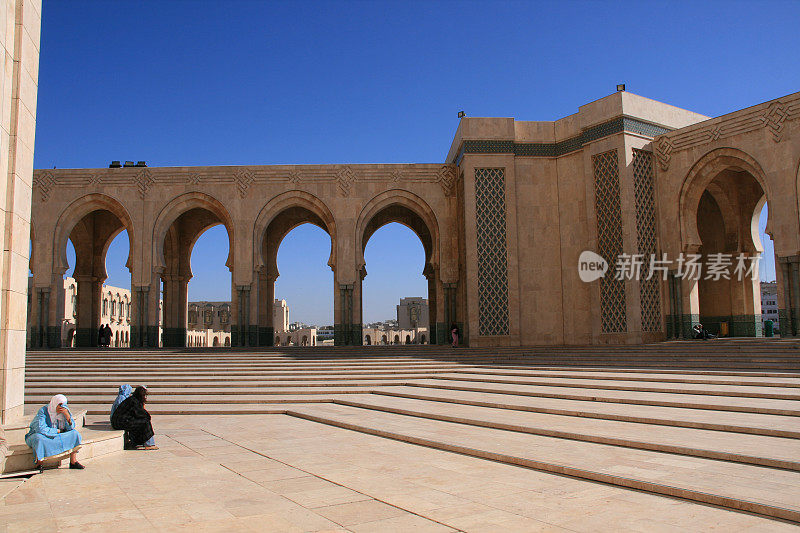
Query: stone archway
[(720, 202), (175, 232), (275, 220), (410, 210), (91, 223)]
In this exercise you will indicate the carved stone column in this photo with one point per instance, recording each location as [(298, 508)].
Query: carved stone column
[(89, 310), (345, 331), (450, 315), (175, 309), (266, 306), (789, 285), (240, 332)]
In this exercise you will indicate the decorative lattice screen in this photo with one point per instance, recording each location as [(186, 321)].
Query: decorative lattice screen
[(649, 293), (609, 239), (490, 218)]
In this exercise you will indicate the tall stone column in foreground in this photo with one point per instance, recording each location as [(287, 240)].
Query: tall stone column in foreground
[(20, 23)]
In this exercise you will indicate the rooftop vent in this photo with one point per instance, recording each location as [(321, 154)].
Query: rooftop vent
[(141, 164), (115, 164), (128, 164)]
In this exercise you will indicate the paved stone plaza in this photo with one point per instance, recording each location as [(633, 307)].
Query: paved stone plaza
[(670, 437)]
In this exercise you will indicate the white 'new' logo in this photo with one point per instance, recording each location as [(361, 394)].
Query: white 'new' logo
[(591, 266)]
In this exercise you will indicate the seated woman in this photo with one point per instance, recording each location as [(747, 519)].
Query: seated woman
[(131, 416), (124, 392), (53, 433)]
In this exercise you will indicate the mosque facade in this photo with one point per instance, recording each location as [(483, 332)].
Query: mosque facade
[(629, 221)]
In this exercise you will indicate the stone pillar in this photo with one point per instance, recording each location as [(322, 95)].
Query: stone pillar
[(240, 331), (690, 301), (450, 316), (345, 331), (138, 318), (789, 286), (675, 318), (745, 297), (432, 325), (175, 308), (19, 38), (40, 315), (89, 310), (266, 304)]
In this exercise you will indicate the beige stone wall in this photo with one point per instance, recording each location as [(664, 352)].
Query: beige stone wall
[(20, 23), (551, 215), (503, 222)]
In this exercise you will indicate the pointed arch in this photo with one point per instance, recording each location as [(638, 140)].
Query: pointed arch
[(180, 205), (396, 205), (322, 217), (700, 176), (75, 212)]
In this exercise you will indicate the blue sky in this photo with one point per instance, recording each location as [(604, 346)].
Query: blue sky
[(246, 82)]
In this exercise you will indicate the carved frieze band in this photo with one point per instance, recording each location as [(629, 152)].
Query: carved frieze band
[(346, 177), (772, 117)]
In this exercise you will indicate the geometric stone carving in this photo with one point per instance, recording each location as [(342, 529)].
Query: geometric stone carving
[(490, 219), (609, 240), (143, 179), (447, 178), (664, 152), (344, 180), (243, 179), (649, 289), (773, 119), (45, 182)]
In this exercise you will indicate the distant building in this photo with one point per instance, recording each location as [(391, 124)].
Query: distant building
[(412, 313), (115, 311), (378, 337), (209, 324), (769, 303), (325, 335), (280, 316), (297, 337)]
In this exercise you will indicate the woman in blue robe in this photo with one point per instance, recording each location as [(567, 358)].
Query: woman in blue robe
[(122, 395), (53, 433)]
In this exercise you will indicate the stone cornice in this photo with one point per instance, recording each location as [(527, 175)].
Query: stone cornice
[(557, 149)]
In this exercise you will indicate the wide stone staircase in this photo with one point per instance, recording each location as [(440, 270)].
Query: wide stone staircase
[(716, 422)]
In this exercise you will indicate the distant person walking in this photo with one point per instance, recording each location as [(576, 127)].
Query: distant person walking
[(108, 335), (101, 335), (454, 335)]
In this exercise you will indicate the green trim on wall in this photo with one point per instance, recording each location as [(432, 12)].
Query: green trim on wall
[(738, 325), (174, 337), (266, 336), (347, 335), (557, 149)]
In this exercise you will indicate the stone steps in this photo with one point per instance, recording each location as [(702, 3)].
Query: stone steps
[(716, 422), (737, 422), (688, 401), (763, 490), (751, 449)]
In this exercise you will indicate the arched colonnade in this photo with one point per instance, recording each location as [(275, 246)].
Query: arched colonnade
[(165, 210)]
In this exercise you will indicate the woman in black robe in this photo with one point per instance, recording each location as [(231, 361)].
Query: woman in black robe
[(131, 416)]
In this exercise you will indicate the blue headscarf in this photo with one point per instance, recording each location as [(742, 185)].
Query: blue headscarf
[(124, 392)]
